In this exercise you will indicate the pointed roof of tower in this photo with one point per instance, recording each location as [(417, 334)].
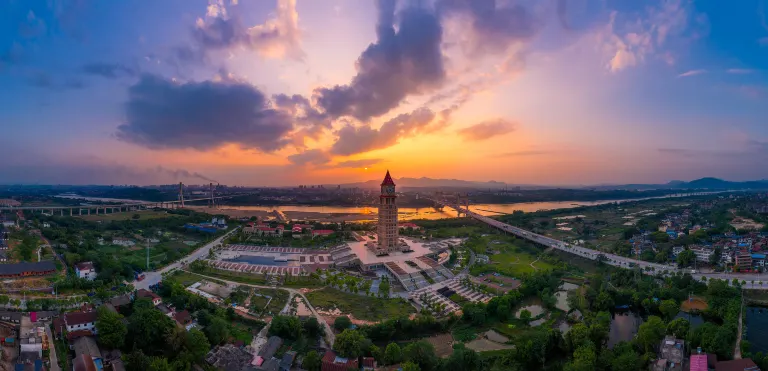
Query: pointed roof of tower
[(387, 180)]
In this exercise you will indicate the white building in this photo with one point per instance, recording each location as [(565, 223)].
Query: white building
[(121, 241), (85, 270), (702, 253), (75, 321)]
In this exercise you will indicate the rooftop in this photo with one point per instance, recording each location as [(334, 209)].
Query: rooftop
[(83, 266), (19, 268), (79, 318), (368, 257)]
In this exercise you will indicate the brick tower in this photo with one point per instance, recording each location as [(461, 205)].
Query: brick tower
[(387, 225)]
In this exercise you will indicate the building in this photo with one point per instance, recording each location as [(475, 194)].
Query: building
[(122, 241), (7, 202), (142, 293), (288, 358), (183, 318), (120, 301), (80, 321), (702, 253), (85, 270), (744, 260), (699, 362), (7, 221), (672, 352), (85, 347), (408, 225), (322, 232), (3, 255), (387, 231), (758, 260), (332, 362), (482, 259), (27, 269), (168, 311), (270, 348), (229, 357), (13, 317), (745, 364)]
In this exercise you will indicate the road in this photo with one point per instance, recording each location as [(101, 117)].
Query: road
[(329, 336), (52, 348), (153, 277), (612, 259)]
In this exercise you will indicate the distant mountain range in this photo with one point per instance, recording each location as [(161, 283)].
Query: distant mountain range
[(702, 184)]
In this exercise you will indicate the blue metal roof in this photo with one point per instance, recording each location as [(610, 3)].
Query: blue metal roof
[(758, 256)]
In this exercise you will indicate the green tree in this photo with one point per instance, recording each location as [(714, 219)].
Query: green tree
[(392, 354), (421, 353), (410, 366), (159, 364), (312, 361), (678, 328), (685, 258), (313, 329), (604, 301), (525, 315), (147, 329), (217, 331), (584, 359), (650, 333), (342, 323), (350, 343), (627, 361), (137, 361), (288, 327), (197, 344), (463, 359), (384, 288), (669, 309), (111, 329)]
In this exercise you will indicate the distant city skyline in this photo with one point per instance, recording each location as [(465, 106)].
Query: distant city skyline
[(285, 92)]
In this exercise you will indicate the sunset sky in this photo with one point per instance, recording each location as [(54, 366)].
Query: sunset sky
[(267, 93)]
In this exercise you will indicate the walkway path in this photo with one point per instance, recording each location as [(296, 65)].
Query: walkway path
[(533, 266), (52, 348), (737, 350), (329, 336)]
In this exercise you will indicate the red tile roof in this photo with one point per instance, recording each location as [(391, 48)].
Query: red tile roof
[(79, 318), (699, 362), (388, 180), (78, 334), (142, 293), (332, 362), (183, 317), (737, 365)]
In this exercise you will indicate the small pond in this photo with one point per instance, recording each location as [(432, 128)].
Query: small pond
[(624, 326)]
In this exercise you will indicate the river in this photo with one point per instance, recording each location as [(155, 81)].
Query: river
[(368, 213)]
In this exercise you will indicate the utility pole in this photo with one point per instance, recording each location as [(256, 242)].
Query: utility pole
[(147, 244), (181, 194)]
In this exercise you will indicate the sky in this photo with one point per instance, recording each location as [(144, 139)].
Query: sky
[(287, 92)]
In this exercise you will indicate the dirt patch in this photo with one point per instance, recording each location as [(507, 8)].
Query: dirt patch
[(695, 303), (484, 345), (443, 344), (301, 308), (215, 289)]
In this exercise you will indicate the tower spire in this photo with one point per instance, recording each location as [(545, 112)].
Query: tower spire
[(388, 180)]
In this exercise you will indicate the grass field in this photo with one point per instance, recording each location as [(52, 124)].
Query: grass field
[(143, 215), (186, 278), (361, 307), (510, 260)]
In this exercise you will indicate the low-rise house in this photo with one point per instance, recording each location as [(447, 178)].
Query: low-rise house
[(142, 293), (183, 318), (80, 321), (42, 268), (269, 349), (672, 351), (322, 232), (85, 270), (85, 347), (13, 317), (333, 362), (122, 241), (120, 301), (228, 357), (287, 362), (408, 225), (758, 260), (3, 255), (168, 311), (744, 364)]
